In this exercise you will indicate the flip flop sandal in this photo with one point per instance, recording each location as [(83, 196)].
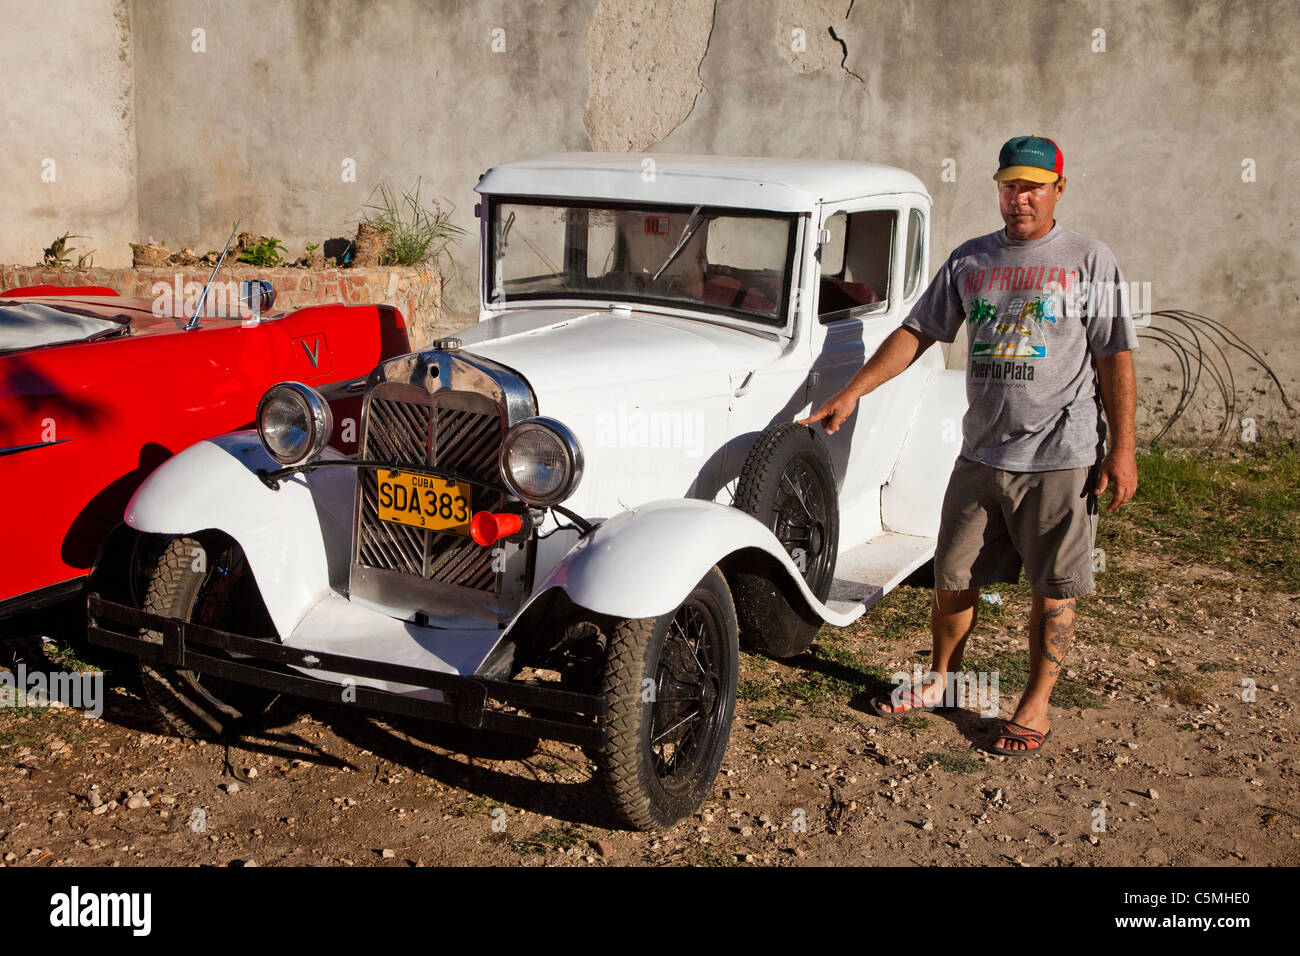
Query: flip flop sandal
[(913, 701), (1032, 739)]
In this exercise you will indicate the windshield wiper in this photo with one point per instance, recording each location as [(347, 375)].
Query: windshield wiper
[(689, 230), (505, 234)]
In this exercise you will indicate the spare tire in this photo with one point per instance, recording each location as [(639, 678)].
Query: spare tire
[(787, 483)]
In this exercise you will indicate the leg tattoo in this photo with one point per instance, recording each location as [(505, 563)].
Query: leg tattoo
[(1056, 634)]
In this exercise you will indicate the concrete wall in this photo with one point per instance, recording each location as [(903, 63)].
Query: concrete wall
[(295, 111), (258, 116), (68, 116)]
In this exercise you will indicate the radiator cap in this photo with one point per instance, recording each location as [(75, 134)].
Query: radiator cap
[(447, 345)]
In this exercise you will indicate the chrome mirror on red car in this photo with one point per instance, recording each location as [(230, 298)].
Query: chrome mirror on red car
[(257, 295)]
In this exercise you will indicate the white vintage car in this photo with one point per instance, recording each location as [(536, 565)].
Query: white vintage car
[(564, 522)]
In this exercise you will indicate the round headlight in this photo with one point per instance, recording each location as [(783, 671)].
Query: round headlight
[(294, 423), (541, 461)]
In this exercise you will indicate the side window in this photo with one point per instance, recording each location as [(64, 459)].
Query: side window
[(856, 264), (915, 252)]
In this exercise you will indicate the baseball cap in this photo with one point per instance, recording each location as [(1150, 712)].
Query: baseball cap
[(1034, 158)]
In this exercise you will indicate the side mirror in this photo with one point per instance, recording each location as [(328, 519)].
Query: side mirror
[(257, 295)]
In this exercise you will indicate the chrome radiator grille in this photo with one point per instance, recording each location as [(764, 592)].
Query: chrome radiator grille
[(465, 440)]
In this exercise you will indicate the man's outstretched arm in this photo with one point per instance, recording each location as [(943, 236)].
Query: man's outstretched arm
[(1118, 384), (902, 347)]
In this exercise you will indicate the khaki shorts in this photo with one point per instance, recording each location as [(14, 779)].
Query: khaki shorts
[(995, 521)]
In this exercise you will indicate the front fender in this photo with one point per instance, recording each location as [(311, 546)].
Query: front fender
[(643, 562), (296, 539)]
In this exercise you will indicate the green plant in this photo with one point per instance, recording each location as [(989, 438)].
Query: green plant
[(417, 235), (904, 614), (1241, 515), (1207, 667), (56, 253), (1181, 688), (773, 715), (913, 722), (551, 840), (755, 689), (267, 252), (1012, 668), (476, 807), (311, 248), (63, 655), (952, 763)]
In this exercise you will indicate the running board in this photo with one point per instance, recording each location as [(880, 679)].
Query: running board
[(870, 571)]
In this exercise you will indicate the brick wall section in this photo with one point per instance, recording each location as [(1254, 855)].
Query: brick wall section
[(418, 295)]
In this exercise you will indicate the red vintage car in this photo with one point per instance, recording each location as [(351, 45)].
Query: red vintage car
[(97, 390)]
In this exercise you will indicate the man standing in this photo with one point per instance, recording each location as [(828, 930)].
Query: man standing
[(1049, 333)]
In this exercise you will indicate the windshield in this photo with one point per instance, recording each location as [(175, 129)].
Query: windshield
[(25, 325), (695, 257)]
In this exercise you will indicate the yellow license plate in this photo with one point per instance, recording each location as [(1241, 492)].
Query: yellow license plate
[(423, 501)]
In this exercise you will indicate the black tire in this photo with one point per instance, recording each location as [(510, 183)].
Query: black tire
[(652, 783), (222, 594), (787, 483)]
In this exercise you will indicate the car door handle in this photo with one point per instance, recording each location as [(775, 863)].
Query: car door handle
[(745, 384)]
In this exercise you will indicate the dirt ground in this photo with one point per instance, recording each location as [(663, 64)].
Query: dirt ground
[(1150, 726)]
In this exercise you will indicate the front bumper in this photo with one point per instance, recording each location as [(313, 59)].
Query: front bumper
[(468, 701)]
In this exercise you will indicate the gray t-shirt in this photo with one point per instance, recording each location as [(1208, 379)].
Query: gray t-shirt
[(1036, 313)]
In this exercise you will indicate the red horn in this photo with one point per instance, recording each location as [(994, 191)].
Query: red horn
[(487, 528)]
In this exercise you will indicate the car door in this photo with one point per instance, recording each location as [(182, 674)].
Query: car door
[(870, 261), (768, 376)]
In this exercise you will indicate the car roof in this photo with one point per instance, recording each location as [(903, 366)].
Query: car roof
[(750, 182)]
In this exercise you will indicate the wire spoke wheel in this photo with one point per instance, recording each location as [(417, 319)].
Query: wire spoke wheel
[(788, 484), (687, 694), (801, 518), (670, 684)]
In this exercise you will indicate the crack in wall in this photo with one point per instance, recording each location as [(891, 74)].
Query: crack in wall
[(645, 64), (808, 47), (845, 47), (699, 70)]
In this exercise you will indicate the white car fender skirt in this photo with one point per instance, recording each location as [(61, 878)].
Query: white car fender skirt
[(295, 538), (644, 562)]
